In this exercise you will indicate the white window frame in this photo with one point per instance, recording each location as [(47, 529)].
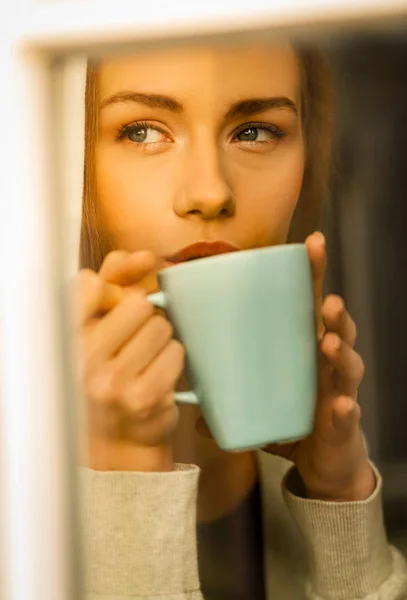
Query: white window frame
[(37, 491)]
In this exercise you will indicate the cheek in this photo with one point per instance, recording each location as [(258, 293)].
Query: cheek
[(267, 195), (133, 199)]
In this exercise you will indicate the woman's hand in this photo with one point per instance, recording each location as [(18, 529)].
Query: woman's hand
[(129, 364), (332, 461)]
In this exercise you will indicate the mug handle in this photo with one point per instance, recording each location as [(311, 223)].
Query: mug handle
[(160, 301)]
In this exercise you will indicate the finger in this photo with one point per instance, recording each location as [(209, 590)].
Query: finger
[(338, 320), (85, 293), (92, 296), (143, 348), (133, 359), (111, 297), (118, 326), (315, 245), (149, 394), (347, 363), (123, 268), (346, 414)]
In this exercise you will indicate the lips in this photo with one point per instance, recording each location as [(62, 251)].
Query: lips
[(200, 250)]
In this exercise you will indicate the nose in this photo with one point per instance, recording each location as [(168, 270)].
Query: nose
[(205, 192)]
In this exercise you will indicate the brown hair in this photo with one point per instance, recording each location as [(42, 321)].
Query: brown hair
[(317, 108)]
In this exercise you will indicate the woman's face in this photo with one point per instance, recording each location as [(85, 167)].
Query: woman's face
[(199, 144)]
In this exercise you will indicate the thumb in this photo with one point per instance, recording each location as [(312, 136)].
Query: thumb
[(315, 245), (91, 296), (127, 269)]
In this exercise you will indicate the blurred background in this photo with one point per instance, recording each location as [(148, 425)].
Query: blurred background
[(366, 226)]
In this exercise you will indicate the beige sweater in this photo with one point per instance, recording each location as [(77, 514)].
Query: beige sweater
[(139, 540)]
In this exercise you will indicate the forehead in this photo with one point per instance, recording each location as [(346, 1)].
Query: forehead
[(211, 73)]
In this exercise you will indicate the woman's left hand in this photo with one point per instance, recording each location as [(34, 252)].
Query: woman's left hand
[(332, 461)]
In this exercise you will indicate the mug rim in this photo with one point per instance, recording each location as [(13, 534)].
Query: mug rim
[(193, 264)]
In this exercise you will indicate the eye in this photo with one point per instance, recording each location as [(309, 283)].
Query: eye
[(142, 133), (258, 133), (253, 134)]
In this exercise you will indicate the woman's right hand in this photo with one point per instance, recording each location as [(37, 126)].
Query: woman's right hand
[(129, 365)]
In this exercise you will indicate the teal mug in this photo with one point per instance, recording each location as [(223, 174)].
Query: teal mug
[(247, 322)]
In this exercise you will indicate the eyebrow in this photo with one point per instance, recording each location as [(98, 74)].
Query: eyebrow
[(251, 106), (151, 100), (243, 108)]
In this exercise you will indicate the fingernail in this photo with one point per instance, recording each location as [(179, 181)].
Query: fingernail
[(321, 237)]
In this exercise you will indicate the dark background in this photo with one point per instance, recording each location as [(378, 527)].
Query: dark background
[(367, 242)]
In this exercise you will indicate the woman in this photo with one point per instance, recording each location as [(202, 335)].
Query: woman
[(213, 144)]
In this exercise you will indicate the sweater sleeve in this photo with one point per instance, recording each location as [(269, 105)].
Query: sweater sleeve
[(139, 535), (348, 551)]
